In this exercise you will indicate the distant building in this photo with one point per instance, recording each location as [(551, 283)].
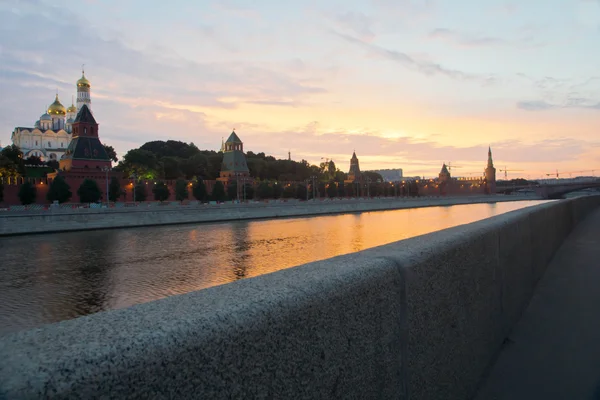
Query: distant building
[(50, 136), (490, 174), (390, 175), (234, 167), (354, 173)]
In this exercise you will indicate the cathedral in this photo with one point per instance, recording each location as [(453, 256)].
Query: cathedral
[(51, 135)]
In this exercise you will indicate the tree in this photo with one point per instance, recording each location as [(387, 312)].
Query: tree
[(249, 191), (181, 190), (288, 192), (218, 192), (301, 192), (111, 153), (140, 192), (277, 190), (341, 189), (199, 190), (1, 191), (161, 191), (331, 189), (59, 191), (89, 192), (27, 193), (114, 189), (265, 191), (232, 191), (7, 167)]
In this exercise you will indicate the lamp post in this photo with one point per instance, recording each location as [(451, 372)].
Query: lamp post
[(314, 189), (133, 176), (106, 169)]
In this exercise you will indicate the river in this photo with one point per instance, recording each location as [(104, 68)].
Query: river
[(54, 277)]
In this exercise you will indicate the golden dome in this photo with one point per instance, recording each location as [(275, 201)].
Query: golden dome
[(56, 108), (83, 82), (72, 109)]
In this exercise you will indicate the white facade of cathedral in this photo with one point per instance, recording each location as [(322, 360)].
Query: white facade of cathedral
[(50, 136)]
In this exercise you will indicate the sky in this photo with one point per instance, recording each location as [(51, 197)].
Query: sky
[(406, 83)]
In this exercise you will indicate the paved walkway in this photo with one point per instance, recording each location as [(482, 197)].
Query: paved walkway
[(554, 350)]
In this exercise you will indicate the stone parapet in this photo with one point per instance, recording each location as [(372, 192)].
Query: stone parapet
[(421, 318)]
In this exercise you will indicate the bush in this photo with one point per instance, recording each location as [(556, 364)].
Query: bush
[(27, 193), (161, 191), (181, 190), (199, 191), (59, 191), (218, 192), (140, 192), (89, 192)]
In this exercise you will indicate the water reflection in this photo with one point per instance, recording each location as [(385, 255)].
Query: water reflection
[(48, 278)]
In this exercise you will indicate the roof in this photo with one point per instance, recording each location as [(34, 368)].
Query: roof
[(233, 138), (234, 161), (86, 148), (85, 115), (444, 169)]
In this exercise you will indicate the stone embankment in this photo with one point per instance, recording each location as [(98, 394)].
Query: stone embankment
[(79, 219), (421, 318)]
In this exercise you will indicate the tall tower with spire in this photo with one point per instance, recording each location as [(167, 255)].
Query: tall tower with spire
[(354, 173), (83, 92), (490, 173)]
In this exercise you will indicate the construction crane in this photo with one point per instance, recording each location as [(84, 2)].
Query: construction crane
[(593, 171), (450, 166), (508, 170)]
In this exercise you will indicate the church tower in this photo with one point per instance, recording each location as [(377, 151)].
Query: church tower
[(490, 173), (83, 92), (354, 173), (234, 160), (85, 150), (444, 175)]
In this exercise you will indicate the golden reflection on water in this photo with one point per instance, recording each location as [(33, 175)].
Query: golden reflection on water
[(48, 278)]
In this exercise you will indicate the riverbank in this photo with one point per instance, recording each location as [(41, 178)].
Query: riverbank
[(81, 219)]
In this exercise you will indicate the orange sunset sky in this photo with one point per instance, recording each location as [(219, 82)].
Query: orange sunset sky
[(407, 84)]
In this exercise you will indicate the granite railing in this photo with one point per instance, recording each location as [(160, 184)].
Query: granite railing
[(421, 318)]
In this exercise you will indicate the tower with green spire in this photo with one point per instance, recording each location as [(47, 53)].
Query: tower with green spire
[(234, 161)]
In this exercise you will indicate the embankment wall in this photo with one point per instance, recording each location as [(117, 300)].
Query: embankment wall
[(45, 221), (420, 318)]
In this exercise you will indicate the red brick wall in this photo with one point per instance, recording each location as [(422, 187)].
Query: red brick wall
[(11, 188)]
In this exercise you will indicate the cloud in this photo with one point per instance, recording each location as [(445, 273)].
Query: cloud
[(357, 23), (422, 66), (465, 39), (534, 105)]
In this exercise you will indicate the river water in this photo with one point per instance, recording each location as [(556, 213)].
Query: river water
[(54, 277)]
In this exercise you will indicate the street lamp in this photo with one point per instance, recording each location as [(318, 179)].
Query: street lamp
[(106, 169), (133, 176)]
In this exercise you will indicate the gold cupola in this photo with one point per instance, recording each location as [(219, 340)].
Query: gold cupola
[(83, 82), (56, 108)]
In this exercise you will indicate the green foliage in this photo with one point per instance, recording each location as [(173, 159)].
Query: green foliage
[(143, 163), (373, 176), (140, 192), (27, 193), (321, 190), (89, 192), (288, 192), (181, 190), (13, 153), (59, 191), (161, 191), (249, 191), (8, 168), (301, 192), (218, 192), (341, 192), (199, 190), (277, 190), (111, 153), (331, 189), (265, 190), (114, 189), (232, 191)]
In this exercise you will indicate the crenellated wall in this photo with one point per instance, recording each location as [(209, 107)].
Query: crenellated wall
[(420, 318)]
